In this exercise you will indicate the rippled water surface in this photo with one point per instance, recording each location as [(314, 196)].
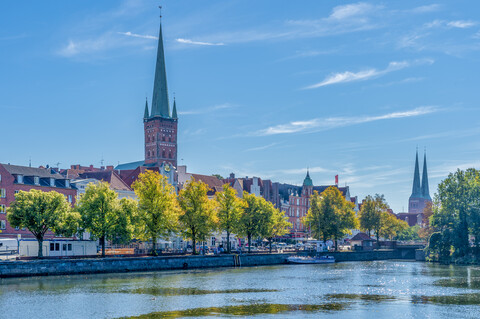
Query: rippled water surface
[(379, 289)]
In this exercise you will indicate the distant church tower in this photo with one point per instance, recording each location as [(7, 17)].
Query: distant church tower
[(159, 125), (420, 192)]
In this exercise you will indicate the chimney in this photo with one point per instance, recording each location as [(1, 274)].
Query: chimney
[(232, 175)]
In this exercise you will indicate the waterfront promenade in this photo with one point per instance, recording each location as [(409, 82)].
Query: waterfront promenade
[(50, 267)]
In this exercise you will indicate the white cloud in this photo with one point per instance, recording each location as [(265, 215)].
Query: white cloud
[(320, 124), (130, 34), (207, 109), (426, 8), (460, 24), (349, 76), (351, 10), (187, 41), (261, 148)]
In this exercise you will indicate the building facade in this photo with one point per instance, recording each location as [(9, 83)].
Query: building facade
[(15, 178)]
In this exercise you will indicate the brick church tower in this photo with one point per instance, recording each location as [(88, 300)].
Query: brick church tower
[(159, 125), (420, 190)]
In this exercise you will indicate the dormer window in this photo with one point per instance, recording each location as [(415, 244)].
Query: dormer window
[(20, 179), (67, 183), (52, 182), (36, 180)]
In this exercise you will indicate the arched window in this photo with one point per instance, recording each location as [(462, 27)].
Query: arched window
[(163, 154)]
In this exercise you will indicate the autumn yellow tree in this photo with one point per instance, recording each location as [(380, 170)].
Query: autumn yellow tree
[(158, 209), (197, 217)]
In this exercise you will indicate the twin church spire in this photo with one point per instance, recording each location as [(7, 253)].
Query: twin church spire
[(420, 188)]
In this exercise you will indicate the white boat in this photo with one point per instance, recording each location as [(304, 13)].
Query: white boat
[(311, 260)]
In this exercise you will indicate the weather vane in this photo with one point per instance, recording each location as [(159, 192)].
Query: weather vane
[(160, 7)]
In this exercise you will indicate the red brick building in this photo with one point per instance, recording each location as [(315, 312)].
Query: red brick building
[(298, 206), (15, 178)]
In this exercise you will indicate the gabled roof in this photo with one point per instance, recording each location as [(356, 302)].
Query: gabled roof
[(130, 166), (211, 181), (32, 171), (116, 183), (361, 236)]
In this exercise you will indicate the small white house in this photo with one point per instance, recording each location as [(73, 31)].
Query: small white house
[(8, 245), (58, 247)]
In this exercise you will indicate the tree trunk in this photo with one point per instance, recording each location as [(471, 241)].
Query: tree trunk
[(102, 242), (40, 247), (228, 241), (249, 242), (378, 240), (154, 247), (194, 244), (336, 243), (270, 244)]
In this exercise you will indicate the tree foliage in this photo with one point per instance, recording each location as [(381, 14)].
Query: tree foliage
[(374, 214), (102, 214), (252, 217), (330, 215), (456, 216), (276, 223), (229, 208), (197, 217), (42, 211), (158, 209)]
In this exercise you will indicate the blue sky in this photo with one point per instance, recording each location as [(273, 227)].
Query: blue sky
[(263, 88)]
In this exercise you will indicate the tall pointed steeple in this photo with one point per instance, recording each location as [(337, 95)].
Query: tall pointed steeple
[(160, 106), (145, 115), (425, 191), (174, 112), (307, 181), (416, 190)]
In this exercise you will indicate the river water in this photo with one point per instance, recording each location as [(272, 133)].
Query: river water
[(378, 289)]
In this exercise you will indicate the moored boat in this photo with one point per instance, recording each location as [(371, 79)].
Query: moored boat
[(311, 260)]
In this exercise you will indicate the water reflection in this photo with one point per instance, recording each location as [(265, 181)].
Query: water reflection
[(355, 289), (243, 310)]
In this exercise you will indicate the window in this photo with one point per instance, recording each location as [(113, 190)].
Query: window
[(70, 198), (3, 224), (16, 191), (64, 247), (3, 193), (69, 247), (52, 246), (0, 177), (3, 210), (57, 246), (36, 180)]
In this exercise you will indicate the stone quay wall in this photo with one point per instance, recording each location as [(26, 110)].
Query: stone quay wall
[(50, 267)]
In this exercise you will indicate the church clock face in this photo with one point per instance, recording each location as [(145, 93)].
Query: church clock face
[(167, 168)]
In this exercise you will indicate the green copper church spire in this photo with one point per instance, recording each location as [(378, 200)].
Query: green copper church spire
[(425, 190), (145, 115), (160, 105), (416, 190), (174, 112)]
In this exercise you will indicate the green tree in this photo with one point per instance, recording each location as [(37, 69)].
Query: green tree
[(276, 223), (392, 226), (197, 217), (330, 215), (229, 208), (42, 211), (409, 233), (368, 215), (318, 217), (158, 209), (344, 219), (102, 214), (457, 211), (220, 177), (373, 215), (251, 218)]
